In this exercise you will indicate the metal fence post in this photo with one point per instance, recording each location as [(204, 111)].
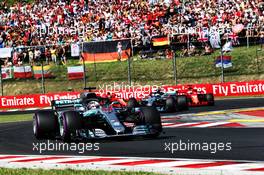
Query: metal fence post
[(84, 66), (95, 72), (1, 81), (257, 56), (247, 41), (175, 67), (188, 41), (129, 63), (42, 78), (222, 66), (129, 71)]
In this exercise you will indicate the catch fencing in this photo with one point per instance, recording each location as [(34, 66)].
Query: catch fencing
[(72, 66)]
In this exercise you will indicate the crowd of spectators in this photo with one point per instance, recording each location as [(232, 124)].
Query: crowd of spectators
[(115, 19)]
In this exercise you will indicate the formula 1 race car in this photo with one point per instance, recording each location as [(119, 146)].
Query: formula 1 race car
[(163, 102), (113, 98), (196, 97), (89, 117)]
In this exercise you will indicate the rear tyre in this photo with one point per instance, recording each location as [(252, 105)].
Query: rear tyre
[(201, 97), (151, 117), (170, 105), (44, 124), (71, 122), (210, 99), (182, 102), (132, 103)]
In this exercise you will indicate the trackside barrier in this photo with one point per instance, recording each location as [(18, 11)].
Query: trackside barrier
[(250, 88)]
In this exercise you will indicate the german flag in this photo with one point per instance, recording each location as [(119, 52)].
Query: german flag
[(106, 51), (38, 72), (160, 41)]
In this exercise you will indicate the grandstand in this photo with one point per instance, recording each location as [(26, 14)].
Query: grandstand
[(47, 29)]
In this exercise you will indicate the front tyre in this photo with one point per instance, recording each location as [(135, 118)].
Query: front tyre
[(132, 103), (170, 105), (70, 123), (151, 117), (210, 99), (44, 124), (182, 102)]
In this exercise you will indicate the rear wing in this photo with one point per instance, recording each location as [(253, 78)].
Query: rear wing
[(65, 103), (171, 93)]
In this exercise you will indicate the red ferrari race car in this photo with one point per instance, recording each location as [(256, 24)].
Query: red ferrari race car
[(163, 102), (109, 98), (196, 97), (114, 99)]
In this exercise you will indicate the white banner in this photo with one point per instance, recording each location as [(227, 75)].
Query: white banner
[(75, 50), (22, 69), (5, 52), (75, 69), (215, 40)]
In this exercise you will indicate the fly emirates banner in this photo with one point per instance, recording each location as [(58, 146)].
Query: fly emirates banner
[(250, 88)]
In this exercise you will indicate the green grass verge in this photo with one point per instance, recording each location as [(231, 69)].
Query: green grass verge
[(67, 172), (248, 64), (15, 118)]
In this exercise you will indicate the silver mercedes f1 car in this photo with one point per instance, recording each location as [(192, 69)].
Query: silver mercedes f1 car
[(91, 117)]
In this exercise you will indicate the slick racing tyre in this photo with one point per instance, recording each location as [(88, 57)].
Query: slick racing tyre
[(132, 103), (182, 102), (210, 99), (151, 117), (70, 123), (170, 105), (44, 124)]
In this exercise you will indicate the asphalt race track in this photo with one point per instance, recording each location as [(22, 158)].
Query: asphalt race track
[(218, 143)]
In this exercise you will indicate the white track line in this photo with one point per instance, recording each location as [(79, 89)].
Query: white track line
[(242, 166), (180, 125), (211, 124), (166, 165), (176, 163)]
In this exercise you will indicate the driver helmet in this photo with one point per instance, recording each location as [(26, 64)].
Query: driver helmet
[(190, 87), (93, 105), (157, 92), (109, 95), (113, 95)]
